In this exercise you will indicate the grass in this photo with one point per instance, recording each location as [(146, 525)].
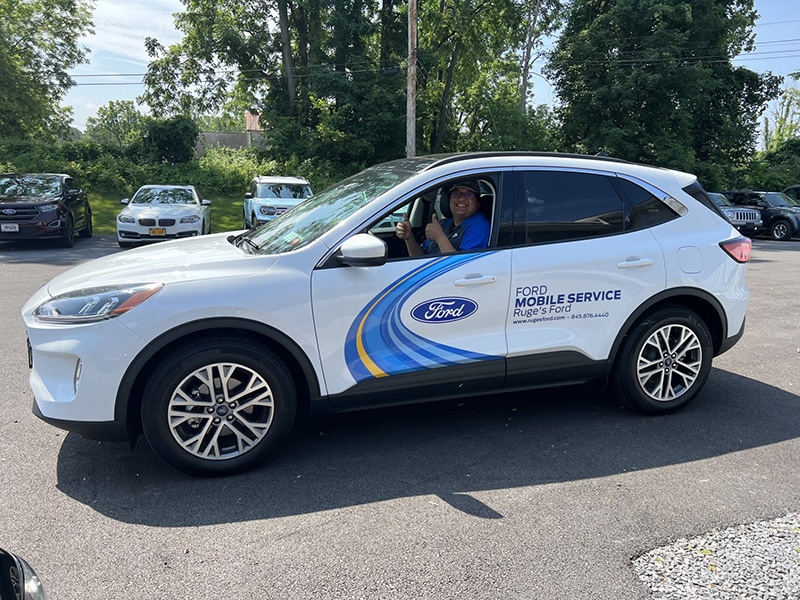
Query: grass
[(226, 213)]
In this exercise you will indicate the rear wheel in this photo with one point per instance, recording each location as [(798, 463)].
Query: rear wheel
[(664, 362), (218, 406)]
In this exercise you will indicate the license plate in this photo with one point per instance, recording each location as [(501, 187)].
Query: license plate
[(9, 227), (159, 231)]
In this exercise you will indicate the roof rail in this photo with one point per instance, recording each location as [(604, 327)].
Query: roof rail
[(452, 158)]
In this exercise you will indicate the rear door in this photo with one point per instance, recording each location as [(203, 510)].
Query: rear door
[(584, 262)]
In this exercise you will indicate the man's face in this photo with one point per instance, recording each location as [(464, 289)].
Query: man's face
[(463, 203)]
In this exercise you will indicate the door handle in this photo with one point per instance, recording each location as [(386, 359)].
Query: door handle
[(634, 261), (475, 279)]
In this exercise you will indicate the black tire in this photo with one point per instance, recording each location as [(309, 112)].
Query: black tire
[(191, 427), (125, 244), (664, 361), (68, 237), (781, 230), (88, 229), (244, 223)]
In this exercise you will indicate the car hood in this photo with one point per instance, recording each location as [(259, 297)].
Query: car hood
[(191, 259), (143, 211), (29, 200)]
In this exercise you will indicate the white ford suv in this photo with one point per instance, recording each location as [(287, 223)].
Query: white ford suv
[(595, 269)]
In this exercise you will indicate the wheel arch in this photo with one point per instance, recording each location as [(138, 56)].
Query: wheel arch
[(702, 303), (129, 394)]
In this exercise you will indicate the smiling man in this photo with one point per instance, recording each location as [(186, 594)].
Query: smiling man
[(468, 229)]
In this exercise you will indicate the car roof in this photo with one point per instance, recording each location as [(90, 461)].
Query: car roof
[(280, 179), (34, 175), (155, 186)]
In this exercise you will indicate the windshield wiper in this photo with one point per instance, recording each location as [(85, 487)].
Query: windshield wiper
[(242, 239)]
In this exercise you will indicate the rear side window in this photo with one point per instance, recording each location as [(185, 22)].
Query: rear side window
[(564, 205), (642, 209)]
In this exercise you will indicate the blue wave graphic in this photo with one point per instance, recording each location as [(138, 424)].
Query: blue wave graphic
[(379, 344)]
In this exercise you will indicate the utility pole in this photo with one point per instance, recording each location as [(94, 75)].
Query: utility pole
[(411, 93)]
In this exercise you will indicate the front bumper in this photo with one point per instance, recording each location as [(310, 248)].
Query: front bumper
[(39, 230), (125, 235), (104, 431), (76, 372)]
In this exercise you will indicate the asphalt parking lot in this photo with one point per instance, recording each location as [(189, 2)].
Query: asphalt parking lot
[(546, 494)]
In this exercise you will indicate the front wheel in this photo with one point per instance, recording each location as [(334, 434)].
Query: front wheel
[(68, 237), (88, 229), (781, 230), (664, 362), (218, 406)]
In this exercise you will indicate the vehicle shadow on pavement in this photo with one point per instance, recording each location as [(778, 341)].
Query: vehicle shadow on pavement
[(446, 449), (48, 252)]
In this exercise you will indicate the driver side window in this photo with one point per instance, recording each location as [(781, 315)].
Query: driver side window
[(420, 210)]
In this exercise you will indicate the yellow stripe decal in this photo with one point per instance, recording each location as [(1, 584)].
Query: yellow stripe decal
[(374, 369)]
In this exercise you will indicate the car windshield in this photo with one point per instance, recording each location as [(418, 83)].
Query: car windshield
[(780, 199), (163, 196), (282, 190), (40, 186), (313, 217), (719, 199)]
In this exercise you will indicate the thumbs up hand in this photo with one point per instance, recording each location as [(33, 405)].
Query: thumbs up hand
[(403, 229), (434, 229)]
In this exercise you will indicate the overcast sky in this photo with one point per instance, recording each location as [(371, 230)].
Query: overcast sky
[(118, 59)]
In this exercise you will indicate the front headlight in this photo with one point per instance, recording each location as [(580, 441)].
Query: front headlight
[(267, 210), (126, 219), (95, 304), (47, 207), (190, 219)]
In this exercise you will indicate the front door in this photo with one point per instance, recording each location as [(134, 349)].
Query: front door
[(432, 326)]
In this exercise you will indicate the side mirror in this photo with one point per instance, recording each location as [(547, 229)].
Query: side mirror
[(363, 250), (124, 201), (206, 202), (18, 580), (248, 195)]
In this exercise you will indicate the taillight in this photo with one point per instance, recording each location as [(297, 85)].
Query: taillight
[(738, 249)]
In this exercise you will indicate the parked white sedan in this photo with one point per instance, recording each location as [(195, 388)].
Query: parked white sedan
[(159, 212)]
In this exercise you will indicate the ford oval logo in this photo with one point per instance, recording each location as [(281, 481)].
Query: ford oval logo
[(9, 211), (443, 310)]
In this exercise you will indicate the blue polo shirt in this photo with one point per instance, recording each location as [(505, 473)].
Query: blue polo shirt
[(471, 234)]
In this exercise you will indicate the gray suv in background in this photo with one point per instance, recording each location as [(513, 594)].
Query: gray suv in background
[(746, 220)]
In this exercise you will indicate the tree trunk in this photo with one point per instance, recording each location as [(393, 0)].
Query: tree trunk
[(288, 62), (443, 108), (530, 40)]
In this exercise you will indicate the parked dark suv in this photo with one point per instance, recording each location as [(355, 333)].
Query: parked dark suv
[(779, 212), (43, 206)]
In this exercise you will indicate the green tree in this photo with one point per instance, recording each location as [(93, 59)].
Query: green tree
[(327, 79), (783, 123), (172, 140), (652, 80), (38, 46), (118, 123)]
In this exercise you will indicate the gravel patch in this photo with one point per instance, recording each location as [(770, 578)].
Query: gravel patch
[(756, 561)]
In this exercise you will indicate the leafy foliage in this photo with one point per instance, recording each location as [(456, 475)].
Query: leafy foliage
[(38, 46), (652, 81), (118, 123)]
